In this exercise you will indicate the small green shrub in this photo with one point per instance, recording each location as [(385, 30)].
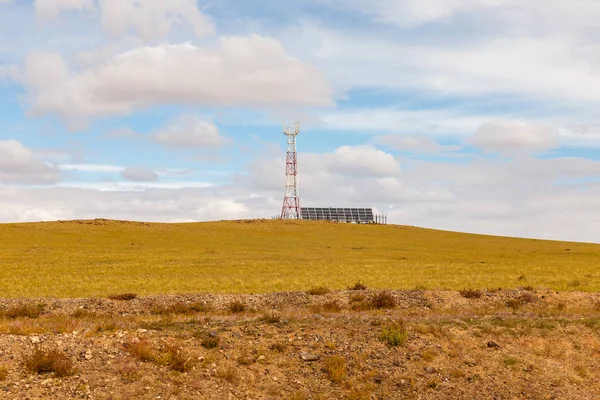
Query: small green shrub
[(394, 334)]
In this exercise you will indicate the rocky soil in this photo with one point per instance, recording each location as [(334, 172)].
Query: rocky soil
[(354, 344)]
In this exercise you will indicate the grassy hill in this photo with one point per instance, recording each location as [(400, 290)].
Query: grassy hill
[(100, 257)]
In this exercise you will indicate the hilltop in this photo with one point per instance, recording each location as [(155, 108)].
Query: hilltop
[(100, 257)]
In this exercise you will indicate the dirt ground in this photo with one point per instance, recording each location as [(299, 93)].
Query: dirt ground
[(353, 344)]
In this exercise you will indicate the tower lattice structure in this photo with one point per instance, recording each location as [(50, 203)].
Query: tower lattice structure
[(291, 201)]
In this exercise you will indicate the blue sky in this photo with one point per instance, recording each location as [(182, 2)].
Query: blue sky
[(468, 115)]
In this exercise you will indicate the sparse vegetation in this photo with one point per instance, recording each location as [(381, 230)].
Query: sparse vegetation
[(177, 358), (331, 306), (394, 334), (237, 307), (383, 300), (271, 318), (210, 341), (318, 291), (358, 286), (140, 349), (228, 372), (123, 296), (24, 311), (471, 293), (48, 360), (336, 368), (365, 354)]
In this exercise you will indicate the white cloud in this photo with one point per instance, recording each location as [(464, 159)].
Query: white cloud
[(409, 13), (94, 168), (52, 8), (514, 136), (362, 160), (18, 164), (413, 143), (241, 71), (189, 131), (150, 19), (554, 66), (430, 122), (6, 1), (139, 174)]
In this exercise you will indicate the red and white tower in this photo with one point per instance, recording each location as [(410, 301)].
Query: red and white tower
[(291, 201)]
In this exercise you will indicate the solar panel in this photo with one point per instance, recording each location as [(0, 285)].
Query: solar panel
[(357, 215)]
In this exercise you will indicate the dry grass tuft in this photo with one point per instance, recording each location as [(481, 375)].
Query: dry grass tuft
[(278, 347), (210, 341), (237, 307), (177, 358), (336, 368), (24, 311), (140, 349), (471, 293), (228, 372), (331, 306), (3, 372), (123, 296), (521, 300), (383, 300), (48, 360), (271, 318), (299, 395), (358, 286), (318, 291)]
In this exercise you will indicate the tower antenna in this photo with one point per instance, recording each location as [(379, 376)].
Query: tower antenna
[(291, 201)]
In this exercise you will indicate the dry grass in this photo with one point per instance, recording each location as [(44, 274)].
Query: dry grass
[(318, 291), (383, 300), (23, 311), (3, 372), (48, 360), (123, 296), (336, 368), (229, 372), (471, 293), (268, 256), (140, 349)]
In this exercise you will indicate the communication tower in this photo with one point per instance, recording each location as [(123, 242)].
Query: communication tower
[(291, 201)]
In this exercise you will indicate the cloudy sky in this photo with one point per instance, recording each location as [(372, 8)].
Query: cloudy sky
[(469, 115)]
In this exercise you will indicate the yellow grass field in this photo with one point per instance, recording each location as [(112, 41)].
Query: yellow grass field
[(100, 257)]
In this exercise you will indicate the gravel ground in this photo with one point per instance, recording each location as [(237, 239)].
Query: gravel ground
[(508, 344)]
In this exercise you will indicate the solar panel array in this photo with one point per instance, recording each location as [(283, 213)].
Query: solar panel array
[(358, 215)]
